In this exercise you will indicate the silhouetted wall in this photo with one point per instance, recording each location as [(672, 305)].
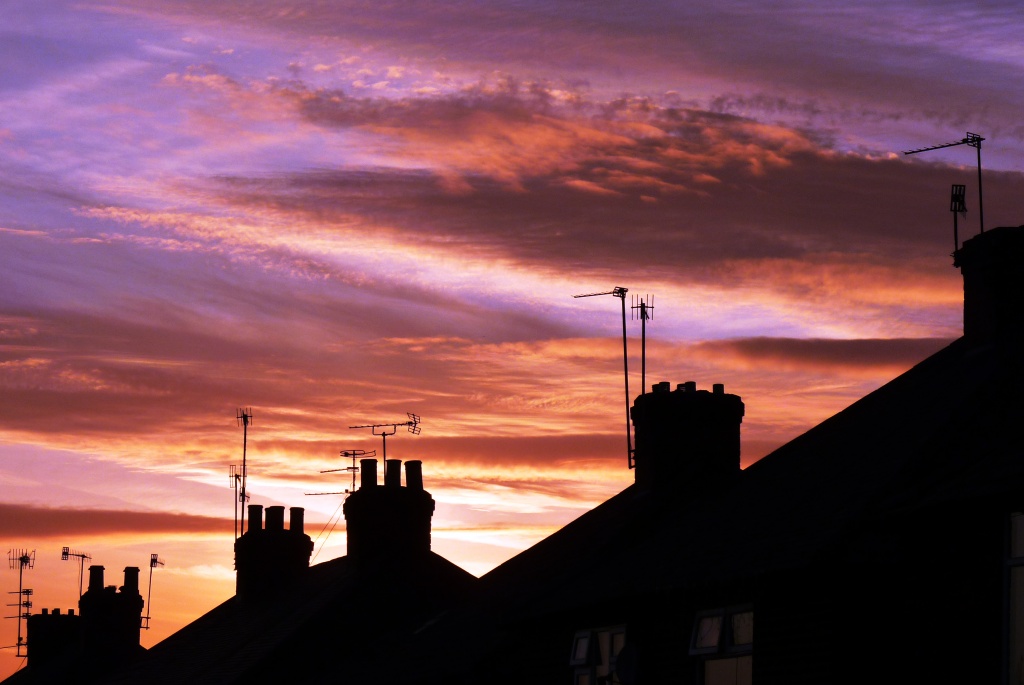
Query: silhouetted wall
[(51, 635), (992, 264), (389, 519), (686, 438), (269, 559)]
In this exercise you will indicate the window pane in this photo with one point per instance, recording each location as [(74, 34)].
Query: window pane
[(743, 628), (709, 629), (1016, 534), (579, 650), (1017, 625), (738, 671)]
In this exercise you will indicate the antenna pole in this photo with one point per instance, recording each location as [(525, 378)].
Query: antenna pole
[(22, 559), (244, 418), (981, 206), (620, 293)]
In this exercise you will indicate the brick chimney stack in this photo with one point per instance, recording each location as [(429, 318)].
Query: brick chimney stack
[(992, 264), (389, 519), (686, 439), (268, 560)]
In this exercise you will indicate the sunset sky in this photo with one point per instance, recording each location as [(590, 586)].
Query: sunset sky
[(339, 212)]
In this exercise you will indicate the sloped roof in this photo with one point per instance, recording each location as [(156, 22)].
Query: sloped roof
[(339, 613), (944, 432)]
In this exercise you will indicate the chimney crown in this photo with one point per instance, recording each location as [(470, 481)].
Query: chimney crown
[(686, 439)]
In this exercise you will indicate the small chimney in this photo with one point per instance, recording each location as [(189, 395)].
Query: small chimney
[(992, 264), (687, 439)]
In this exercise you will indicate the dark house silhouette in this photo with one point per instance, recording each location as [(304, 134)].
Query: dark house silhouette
[(884, 545), (288, 622)]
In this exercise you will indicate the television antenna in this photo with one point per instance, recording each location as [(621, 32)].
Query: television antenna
[(973, 140), (66, 553), (239, 474), (22, 559), (353, 469), (620, 293), (382, 429), (154, 561), (644, 309)]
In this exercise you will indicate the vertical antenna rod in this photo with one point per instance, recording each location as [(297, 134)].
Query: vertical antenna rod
[(620, 293), (244, 418), (154, 561), (973, 140), (644, 315)]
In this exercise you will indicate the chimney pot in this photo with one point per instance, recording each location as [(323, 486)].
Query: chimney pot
[(690, 386), (96, 578), (131, 580), (255, 517), (296, 520), (393, 473), (664, 386), (718, 388), (367, 472), (275, 518), (414, 475)]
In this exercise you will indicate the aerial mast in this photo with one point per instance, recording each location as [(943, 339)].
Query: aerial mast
[(66, 553), (620, 293), (972, 140), (22, 559), (154, 561), (239, 474)]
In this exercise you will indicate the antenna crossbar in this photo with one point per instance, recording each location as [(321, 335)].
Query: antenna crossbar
[(66, 553), (382, 429), (971, 140)]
